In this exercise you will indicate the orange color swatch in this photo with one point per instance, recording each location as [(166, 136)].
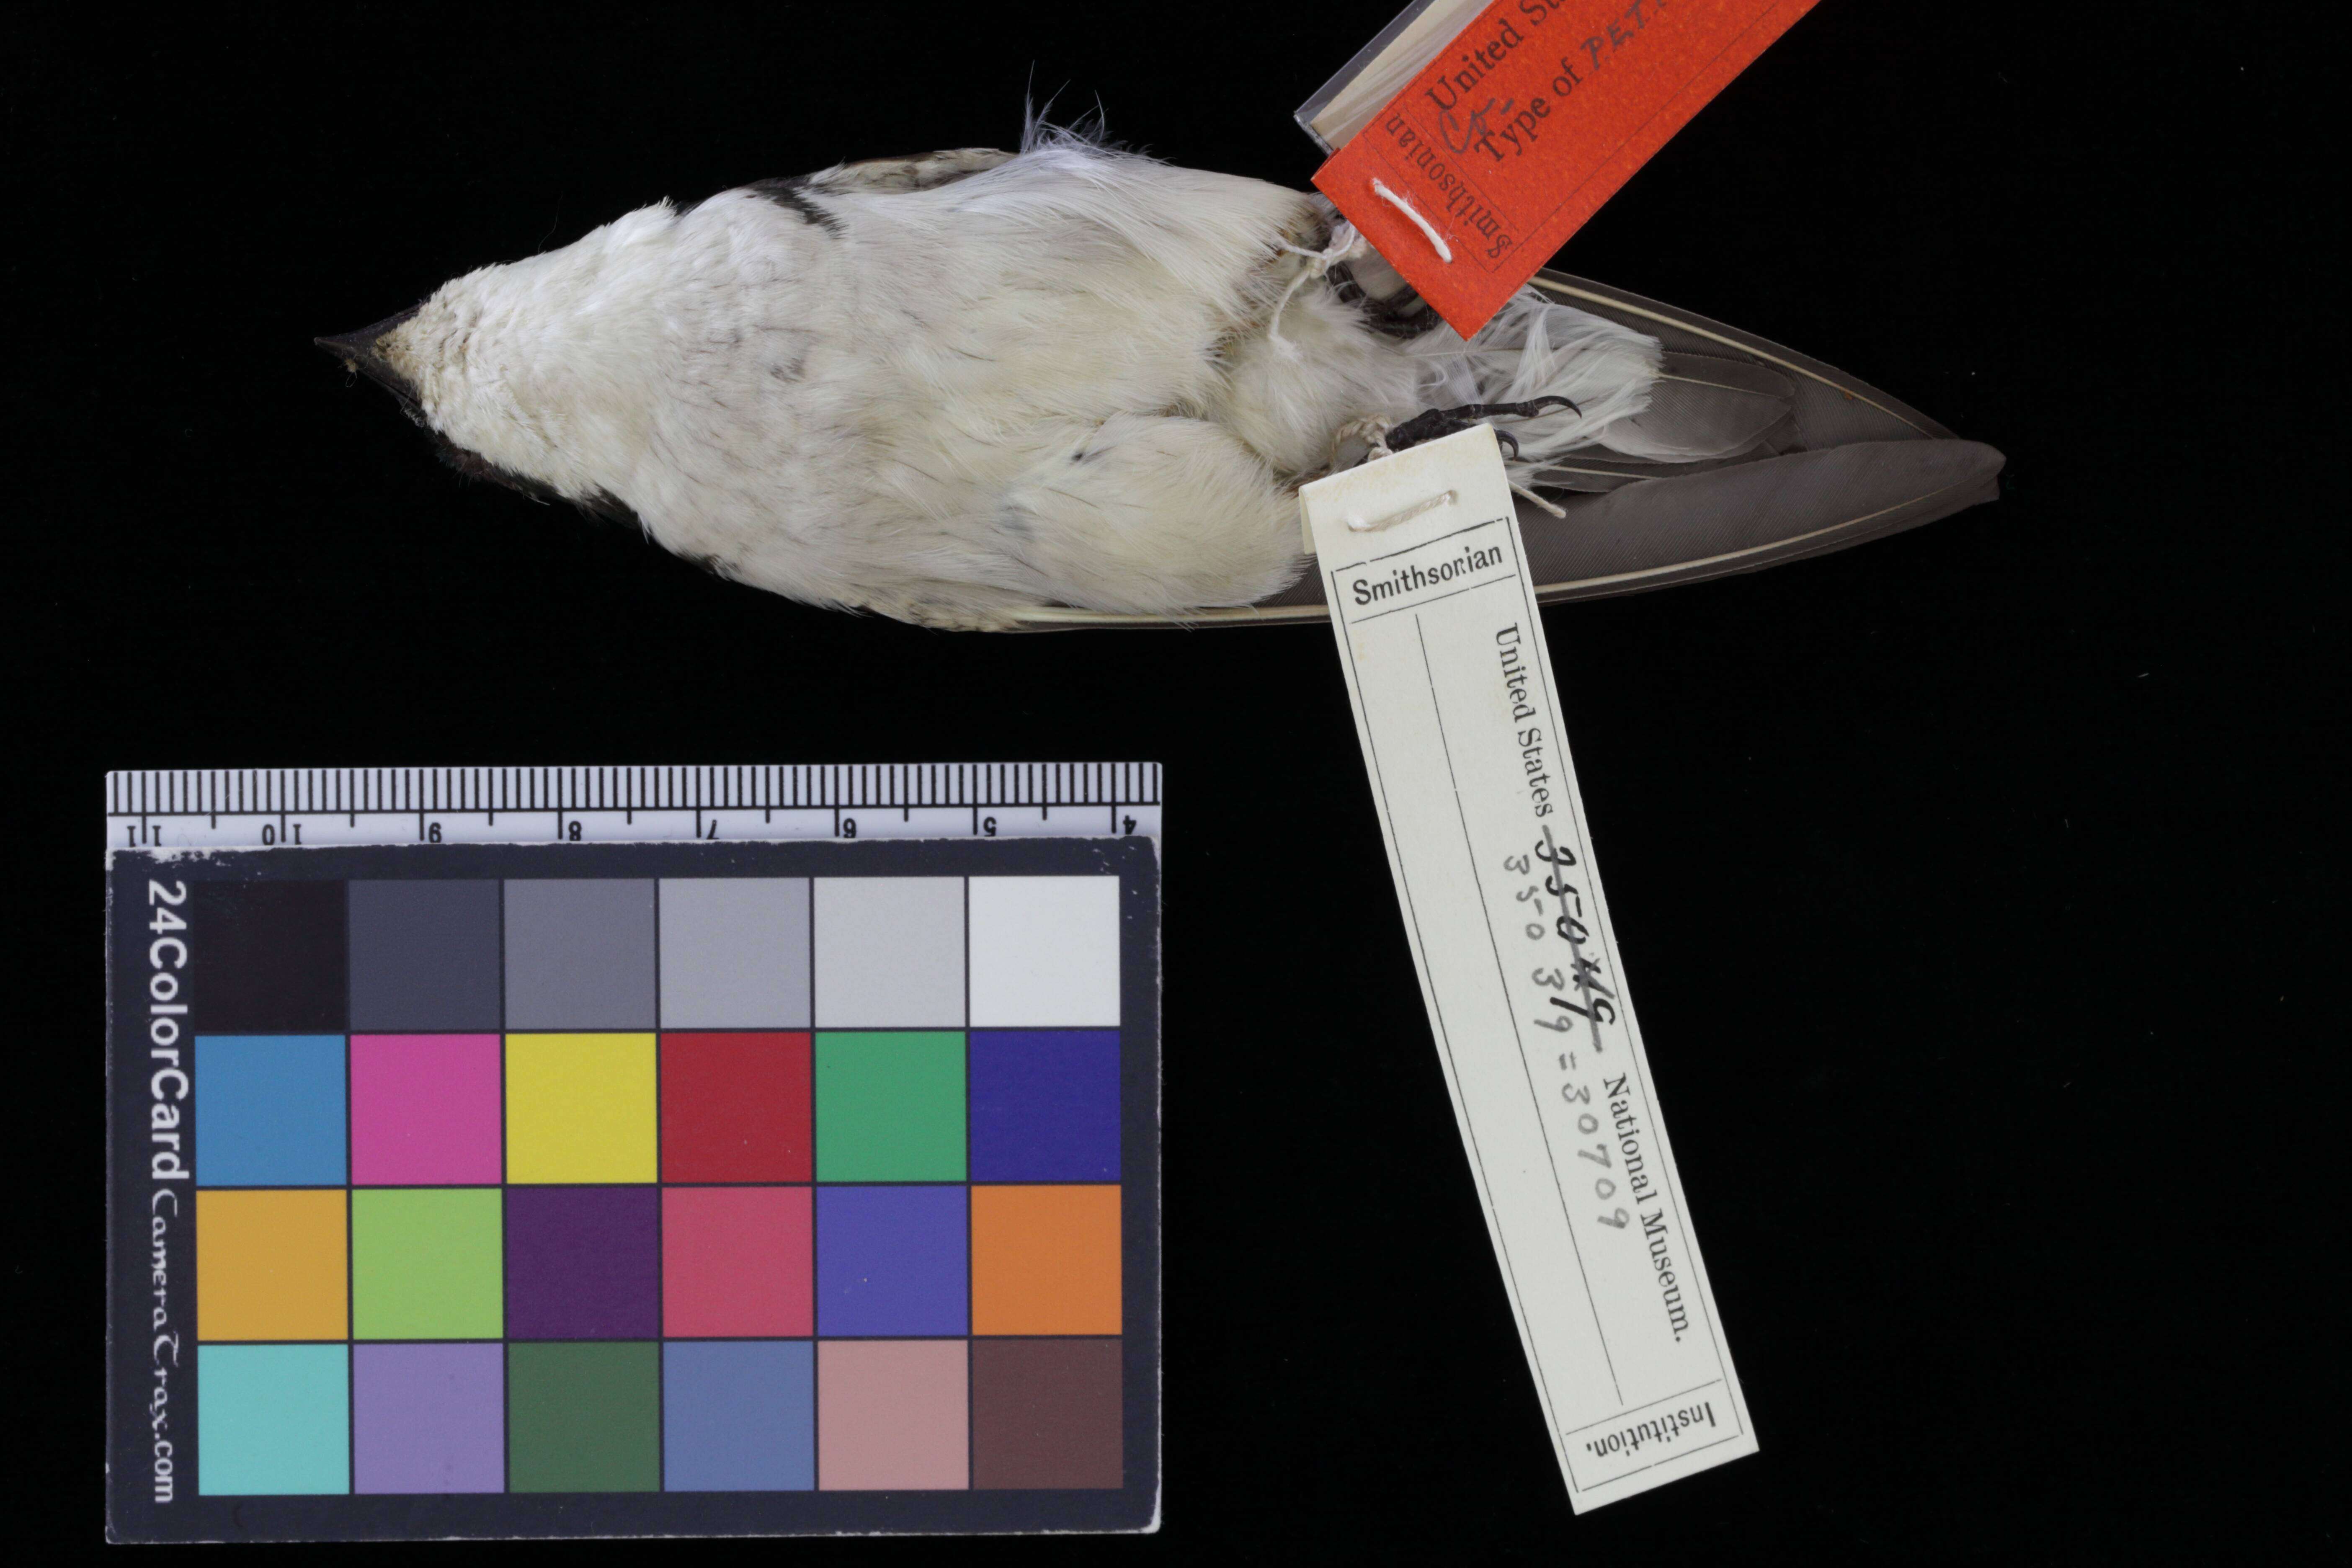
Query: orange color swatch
[(1045, 1260), (1525, 124), (272, 1265)]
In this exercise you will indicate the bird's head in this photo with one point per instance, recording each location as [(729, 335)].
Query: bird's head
[(535, 374)]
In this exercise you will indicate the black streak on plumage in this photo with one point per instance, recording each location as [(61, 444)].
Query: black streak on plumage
[(787, 194)]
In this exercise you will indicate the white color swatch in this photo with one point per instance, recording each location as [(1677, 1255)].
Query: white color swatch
[(1044, 952)]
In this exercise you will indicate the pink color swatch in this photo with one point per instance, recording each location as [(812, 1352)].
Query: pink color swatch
[(893, 1415), (735, 1262), (425, 1109)]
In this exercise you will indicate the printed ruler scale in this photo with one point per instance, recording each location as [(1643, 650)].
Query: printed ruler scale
[(232, 808)]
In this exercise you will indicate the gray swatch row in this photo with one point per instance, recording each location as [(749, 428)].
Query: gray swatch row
[(734, 953)]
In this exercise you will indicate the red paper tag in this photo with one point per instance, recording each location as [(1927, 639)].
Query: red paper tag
[(1522, 126)]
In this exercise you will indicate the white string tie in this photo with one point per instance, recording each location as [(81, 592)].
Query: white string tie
[(1357, 525), (1346, 244), (1444, 251), (1553, 508)]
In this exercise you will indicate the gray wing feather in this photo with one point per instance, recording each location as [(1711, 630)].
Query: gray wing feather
[(916, 172), (1825, 463)]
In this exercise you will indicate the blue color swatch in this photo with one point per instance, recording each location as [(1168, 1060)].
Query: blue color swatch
[(891, 1260), (738, 1415), (270, 1111), (273, 1419), (1044, 1105)]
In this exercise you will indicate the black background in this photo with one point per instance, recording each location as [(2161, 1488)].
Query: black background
[(1972, 883)]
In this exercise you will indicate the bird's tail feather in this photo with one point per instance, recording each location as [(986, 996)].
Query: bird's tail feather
[(1536, 348)]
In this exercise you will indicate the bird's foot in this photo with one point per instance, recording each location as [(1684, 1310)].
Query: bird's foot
[(1432, 422)]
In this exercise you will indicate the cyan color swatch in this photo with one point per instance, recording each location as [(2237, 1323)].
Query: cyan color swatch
[(273, 1419), (270, 1111), (738, 1415)]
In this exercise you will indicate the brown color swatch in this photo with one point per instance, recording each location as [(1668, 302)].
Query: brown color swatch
[(1045, 1413)]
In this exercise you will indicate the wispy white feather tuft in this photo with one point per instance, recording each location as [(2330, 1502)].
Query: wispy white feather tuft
[(1089, 130), (1534, 348)]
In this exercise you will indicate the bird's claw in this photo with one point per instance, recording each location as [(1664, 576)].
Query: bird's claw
[(1432, 422)]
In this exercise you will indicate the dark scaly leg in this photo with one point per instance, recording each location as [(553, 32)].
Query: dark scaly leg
[(1432, 422)]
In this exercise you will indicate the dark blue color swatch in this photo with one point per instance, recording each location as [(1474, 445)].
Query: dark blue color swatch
[(890, 1260), (270, 1111), (1044, 1105), (738, 1415)]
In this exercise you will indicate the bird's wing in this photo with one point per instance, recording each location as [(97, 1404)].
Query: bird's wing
[(1828, 462), (916, 172)]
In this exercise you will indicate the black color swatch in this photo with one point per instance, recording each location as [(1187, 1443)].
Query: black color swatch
[(267, 958)]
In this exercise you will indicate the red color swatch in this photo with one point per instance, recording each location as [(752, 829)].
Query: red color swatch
[(735, 1262), (735, 1107), (1526, 123)]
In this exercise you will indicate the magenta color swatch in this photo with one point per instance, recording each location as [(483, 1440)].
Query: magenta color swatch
[(424, 1110)]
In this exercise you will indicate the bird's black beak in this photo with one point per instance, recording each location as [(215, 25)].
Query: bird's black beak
[(358, 353)]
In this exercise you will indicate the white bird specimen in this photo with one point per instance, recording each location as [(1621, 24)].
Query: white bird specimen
[(947, 388)]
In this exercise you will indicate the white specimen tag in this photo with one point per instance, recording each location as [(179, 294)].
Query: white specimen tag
[(1453, 692)]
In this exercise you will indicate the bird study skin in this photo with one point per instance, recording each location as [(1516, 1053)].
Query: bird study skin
[(954, 387)]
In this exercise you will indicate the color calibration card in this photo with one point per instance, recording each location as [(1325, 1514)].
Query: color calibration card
[(627, 1189)]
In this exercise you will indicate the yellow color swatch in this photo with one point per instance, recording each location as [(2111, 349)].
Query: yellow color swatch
[(271, 1264), (581, 1107)]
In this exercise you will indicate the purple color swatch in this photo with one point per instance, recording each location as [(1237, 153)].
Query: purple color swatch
[(584, 1263), (428, 1418), (1044, 1105), (891, 1260)]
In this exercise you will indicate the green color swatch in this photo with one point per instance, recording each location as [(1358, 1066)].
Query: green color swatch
[(273, 1419), (426, 1264), (583, 1417), (889, 1107)]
